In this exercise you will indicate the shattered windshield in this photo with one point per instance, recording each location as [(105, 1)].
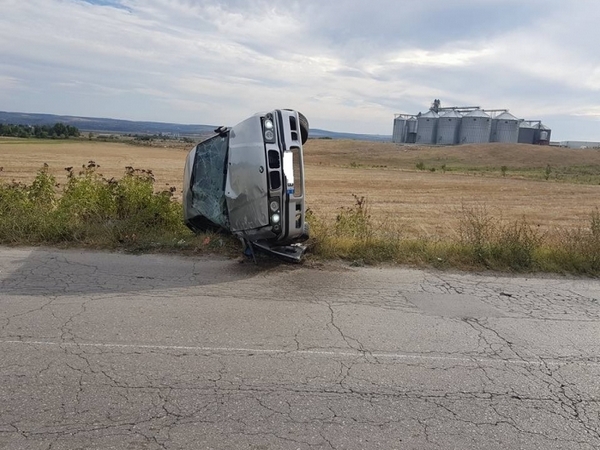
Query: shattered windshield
[(208, 180)]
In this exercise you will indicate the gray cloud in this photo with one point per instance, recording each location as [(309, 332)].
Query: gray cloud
[(348, 66)]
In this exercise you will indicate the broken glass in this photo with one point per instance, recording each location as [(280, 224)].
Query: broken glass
[(208, 180)]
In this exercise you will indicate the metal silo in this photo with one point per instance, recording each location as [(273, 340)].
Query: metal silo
[(505, 128), (449, 128), (475, 127), (411, 130), (427, 128), (400, 134), (400, 126), (543, 135), (527, 132)]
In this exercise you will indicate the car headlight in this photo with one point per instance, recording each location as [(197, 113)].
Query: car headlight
[(275, 218), (274, 205), (269, 129)]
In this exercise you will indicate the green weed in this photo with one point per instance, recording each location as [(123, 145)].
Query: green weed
[(484, 241), (92, 211)]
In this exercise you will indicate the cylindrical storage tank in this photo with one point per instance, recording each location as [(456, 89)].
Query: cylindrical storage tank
[(505, 128), (527, 132), (449, 128), (475, 127), (411, 130), (412, 125), (427, 128), (543, 135), (399, 135)]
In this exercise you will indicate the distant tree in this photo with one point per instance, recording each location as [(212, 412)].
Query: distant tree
[(58, 131)]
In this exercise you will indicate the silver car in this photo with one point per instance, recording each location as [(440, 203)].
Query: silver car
[(249, 180)]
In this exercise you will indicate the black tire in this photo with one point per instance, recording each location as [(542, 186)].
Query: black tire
[(303, 127)]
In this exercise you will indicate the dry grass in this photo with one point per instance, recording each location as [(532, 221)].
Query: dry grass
[(419, 203), (516, 156), (429, 203), (22, 158)]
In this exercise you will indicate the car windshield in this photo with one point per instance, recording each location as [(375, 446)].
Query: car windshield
[(208, 179)]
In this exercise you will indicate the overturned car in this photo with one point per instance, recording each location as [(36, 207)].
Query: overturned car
[(249, 180)]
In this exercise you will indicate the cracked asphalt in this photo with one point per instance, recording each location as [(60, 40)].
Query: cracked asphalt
[(112, 351)]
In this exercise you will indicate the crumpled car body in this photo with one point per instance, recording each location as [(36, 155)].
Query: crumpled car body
[(249, 180)]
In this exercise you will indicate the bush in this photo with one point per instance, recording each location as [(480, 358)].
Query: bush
[(576, 250), (24, 210), (90, 209), (496, 244)]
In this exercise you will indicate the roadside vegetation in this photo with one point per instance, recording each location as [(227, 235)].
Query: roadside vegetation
[(92, 211), (483, 241)]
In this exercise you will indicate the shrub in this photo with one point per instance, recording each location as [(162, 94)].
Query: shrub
[(90, 209), (577, 250), (494, 243), (25, 210)]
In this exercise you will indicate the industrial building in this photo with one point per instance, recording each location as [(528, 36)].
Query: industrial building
[(457, 125)]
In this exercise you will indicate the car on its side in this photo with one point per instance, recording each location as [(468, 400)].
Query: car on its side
[(248, 180)]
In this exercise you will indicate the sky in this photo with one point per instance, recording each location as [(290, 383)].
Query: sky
[(348, 65)]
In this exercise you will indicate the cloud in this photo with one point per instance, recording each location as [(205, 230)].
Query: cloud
[(348, 66)]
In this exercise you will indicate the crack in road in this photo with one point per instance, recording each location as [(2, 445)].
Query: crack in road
[(291, 358)]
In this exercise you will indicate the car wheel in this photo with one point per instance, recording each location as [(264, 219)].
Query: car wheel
[(303, 127)]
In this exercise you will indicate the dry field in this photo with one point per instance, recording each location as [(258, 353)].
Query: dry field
[(416, 202), (21, 159)]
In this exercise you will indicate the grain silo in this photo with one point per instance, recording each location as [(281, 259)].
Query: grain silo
[(528, 131), (401, 128), (505, 128), (467, 125), (427, 128), (449, 128), (543, 135), (475, 127), (411, 130)]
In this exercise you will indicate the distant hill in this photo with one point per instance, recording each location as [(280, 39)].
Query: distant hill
[(316, 133), (102, 125)]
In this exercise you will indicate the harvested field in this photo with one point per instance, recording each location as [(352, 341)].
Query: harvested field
[(418, 202), (21, 159)]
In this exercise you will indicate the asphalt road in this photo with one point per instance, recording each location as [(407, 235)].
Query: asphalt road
[(110, 351)]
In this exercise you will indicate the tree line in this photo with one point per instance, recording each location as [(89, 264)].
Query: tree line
[(56, 131)]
